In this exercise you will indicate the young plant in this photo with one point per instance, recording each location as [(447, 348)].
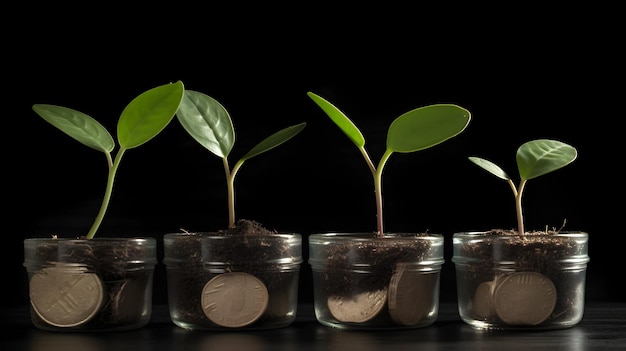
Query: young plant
[(208, 122), (414, 130), (141, 120), (534, 158)]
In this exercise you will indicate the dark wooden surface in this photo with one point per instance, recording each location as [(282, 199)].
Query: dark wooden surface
[(603, 328)]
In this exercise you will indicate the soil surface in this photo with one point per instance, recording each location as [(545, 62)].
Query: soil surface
[(381, 258)]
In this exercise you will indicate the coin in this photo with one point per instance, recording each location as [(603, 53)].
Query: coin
[(358, 308), (482, 305), (234, 299), (411, 295), (524, 298), (66, 296)]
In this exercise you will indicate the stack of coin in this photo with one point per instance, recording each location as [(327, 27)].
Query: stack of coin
[(520, 298), (409, 298)]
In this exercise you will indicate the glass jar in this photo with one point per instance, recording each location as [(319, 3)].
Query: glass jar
[(226, 282), (534, 281), (365, 281), (100, 284)]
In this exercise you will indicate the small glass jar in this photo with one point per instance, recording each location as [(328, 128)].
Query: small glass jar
[(364, 281), (529, 282), (225, 282), (100, 284)]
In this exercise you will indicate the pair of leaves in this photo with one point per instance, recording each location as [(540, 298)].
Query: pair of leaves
[(534, 158), (414, 130), (142, 119), (209, 123)]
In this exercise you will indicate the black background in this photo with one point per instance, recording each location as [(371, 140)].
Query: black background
[(523, 76)]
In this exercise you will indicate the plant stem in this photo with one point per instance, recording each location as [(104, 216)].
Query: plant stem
[(107, 193), (230, 179), (518, 207), (378, 190)]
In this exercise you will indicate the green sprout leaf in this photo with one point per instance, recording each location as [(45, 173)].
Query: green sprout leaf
[(425, 127), (78, 125), (148, 114), (340, 119), (208, 122), (274, 140), (142, 119), (534, 158), (538, 157), (490, 167), (415, 130)]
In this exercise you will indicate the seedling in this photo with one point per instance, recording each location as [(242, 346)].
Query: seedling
[(141, 120), (414, 130), (534, 158), (209, 123)]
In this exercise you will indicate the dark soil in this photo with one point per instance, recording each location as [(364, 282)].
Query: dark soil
[(247, 227), (533, 251), (250, 251), (381, 257)]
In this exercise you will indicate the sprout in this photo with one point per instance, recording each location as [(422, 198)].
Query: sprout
[(208, 122), (142, 119), (534, 158), (415, 130)]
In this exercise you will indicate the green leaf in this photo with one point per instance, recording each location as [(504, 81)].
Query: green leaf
[(490, 167), (148, 114), (208, 122), (274, 140), (78, 125), (541, 156), (340, 119), (427, 126)]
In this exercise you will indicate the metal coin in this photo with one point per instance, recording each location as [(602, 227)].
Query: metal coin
[(234, 299), (482, 305), (411, 295), (524, 298), (66, 296), (358, 308)]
